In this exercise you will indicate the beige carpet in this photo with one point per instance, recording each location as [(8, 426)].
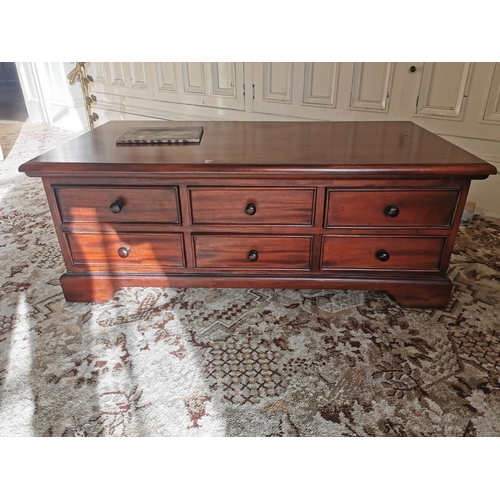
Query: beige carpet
[(203, 362)]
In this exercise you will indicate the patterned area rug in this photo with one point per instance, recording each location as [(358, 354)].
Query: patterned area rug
[(203, 362)]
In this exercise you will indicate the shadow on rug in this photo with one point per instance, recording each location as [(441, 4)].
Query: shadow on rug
[(203, 362)]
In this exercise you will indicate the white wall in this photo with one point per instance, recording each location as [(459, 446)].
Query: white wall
[(49, 96), (459, 101)]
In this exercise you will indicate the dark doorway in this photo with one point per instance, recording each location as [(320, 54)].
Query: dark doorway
[(12, 105), (13, 113)]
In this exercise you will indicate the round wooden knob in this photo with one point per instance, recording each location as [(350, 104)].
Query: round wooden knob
[(383, 255), (116, 207), (250, 209), (123, 252), (391, 210), (253, 255)]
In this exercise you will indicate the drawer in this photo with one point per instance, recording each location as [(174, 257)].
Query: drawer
[(382, 252), (252, 252), (125, 250), (391, 207), (118, 204), (246, 206)]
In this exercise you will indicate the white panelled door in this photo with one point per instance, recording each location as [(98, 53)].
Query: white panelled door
[(295, 89), (216, 84), (453, 98), (329, 91), (124, 79)]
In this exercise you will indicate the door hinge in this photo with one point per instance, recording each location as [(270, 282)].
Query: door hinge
[(416, 105), (253, 90), (244, 90)]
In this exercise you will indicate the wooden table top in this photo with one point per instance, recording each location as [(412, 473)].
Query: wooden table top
[(336, 145)]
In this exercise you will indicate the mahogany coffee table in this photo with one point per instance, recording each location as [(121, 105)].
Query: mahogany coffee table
[(346, 205)]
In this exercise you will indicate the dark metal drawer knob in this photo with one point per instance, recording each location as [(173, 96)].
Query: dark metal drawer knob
[(116, 207), (253, 255), (391, 210), (123, 252), (250, 209), (413, 69), (382, 255)]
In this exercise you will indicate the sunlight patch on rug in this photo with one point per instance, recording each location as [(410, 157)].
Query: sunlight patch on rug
[(16, 399)]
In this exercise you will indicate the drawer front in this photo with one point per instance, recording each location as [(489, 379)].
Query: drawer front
[(246, 206), (387, 207), (126, 250), (118, 204), (382, 252), (252, 252)]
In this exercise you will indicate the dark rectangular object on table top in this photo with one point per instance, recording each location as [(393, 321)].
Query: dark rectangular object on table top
[(164, 135)]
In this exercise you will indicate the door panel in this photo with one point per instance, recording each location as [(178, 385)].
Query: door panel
[(320, 83), (224, 79), (328, 90), (443, 89), (371, 86), (193, 78), (121, 78), (277, 82), (492, 109)]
